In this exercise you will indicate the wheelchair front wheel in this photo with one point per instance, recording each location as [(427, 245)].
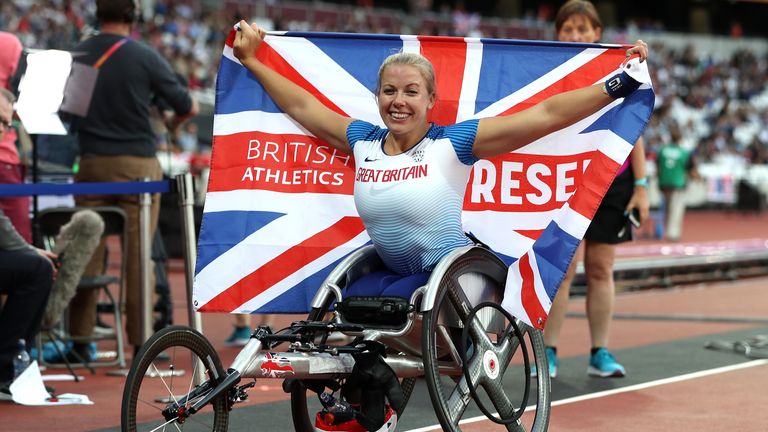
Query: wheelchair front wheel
[(494, 352), (156, 382)]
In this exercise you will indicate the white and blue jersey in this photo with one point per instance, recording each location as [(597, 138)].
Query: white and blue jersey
[(411, 203)]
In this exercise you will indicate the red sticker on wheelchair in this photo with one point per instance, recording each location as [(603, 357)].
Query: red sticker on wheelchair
[(491, 364), (276, 366)]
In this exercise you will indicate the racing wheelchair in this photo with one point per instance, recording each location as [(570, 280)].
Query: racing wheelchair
[(451, 332)]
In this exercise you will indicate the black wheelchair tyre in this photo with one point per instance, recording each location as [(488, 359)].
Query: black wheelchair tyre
[(141, 393), (445, 392)]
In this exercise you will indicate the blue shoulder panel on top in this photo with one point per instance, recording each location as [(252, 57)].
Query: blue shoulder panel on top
[(462, 136), (360, 130)]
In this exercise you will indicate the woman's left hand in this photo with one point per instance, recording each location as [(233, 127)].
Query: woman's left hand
[(640, 202), (247, 40), (640, 48)]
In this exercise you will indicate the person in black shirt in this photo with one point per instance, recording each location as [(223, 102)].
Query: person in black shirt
[(117, 143)]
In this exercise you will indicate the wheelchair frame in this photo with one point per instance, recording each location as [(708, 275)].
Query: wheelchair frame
[(311, 359)]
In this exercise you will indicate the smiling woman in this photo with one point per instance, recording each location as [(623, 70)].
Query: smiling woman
[(405, 93), (411, 175)]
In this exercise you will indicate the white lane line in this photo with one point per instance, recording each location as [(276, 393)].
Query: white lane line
[(631, 388)]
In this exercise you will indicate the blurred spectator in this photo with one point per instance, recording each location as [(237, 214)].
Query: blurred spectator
[(118, 144), (10, 53), (187, 138), (11, 168), (578, 21), (674, 165)]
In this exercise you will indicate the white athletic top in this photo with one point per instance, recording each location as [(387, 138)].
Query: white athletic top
[(411, 203)]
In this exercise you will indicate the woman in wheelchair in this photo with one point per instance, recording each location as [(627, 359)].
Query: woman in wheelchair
[(411, 176)]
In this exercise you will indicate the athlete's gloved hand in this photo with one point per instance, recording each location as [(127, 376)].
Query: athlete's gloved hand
[(621, 85), (633, 73)]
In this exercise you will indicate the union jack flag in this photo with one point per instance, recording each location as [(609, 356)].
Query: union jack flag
[(279, 212)]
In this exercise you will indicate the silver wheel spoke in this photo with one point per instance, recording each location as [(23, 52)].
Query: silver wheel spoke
[(164, 425), (162, 380), (194, 374)]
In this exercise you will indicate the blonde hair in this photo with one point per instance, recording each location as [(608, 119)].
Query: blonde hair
[(418, 61)]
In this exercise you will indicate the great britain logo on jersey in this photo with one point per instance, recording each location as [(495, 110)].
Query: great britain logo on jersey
[(279, 212), (365, 175)]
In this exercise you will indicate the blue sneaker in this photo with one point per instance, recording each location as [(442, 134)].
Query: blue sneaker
[(85, 353), (50, 353), (603, 364), (239, 337), (551, 363)]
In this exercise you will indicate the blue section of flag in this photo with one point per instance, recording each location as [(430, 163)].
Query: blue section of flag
[(227, 228), (640, 103), (554, 250), (348, 56), (238, 90), (298, 298), (502, 74)]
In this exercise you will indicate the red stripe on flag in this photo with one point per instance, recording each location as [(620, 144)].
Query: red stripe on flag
[(285, 264), (267, 55), (282, 163), (230, 42), (587, 74), (536, 314), (531, 234), (595, 182), (448, 58)]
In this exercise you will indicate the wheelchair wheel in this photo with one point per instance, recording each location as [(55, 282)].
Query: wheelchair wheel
[(156, 382), (494, 351)]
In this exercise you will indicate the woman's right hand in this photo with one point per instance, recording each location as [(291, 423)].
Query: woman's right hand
[(640, 48), (247, 40)]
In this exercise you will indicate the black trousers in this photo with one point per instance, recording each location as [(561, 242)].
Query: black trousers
[(26, 279)]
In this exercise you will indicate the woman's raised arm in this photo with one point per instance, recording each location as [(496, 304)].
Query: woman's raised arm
[(301, 105), (498, 135)]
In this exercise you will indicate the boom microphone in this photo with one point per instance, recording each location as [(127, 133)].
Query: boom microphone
[(75, 245)]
